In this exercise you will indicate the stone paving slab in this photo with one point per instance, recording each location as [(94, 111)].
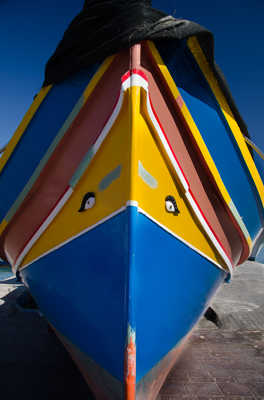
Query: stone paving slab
[(210, 369), (218, 364), (226, 363)]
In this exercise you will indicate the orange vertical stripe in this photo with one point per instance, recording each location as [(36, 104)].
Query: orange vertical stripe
[(130, 370)]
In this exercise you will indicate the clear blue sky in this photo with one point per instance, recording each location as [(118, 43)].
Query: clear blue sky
[(30, 30)]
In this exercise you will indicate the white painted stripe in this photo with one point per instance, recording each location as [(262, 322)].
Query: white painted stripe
[(130, 81), (109, 123), (260, 233), (239, 220), (257, 244), (137, 80), (188, 194), (76, 236), (130, 203), (179, 238), (166, 145), (210, 233), (43, 227)]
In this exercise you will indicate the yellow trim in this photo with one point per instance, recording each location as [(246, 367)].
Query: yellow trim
[(193, 127), (114, 152), (132, 133), (3, 225), (35, 105), (23, 125), (188, 118), (157, 163), (201, 60), (254, 147)]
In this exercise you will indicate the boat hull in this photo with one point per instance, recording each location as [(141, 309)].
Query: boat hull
[(127, 227), (108, 288)]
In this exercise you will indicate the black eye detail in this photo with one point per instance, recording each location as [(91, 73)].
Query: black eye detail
[(88, 201), (171, 205)]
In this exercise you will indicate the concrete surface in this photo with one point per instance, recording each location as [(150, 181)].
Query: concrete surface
[(219, 364)]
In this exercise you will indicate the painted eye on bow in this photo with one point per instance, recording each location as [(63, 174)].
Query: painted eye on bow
[(171, 205), (88, 201)]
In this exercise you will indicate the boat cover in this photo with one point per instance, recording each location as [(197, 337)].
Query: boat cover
[(105, 27)]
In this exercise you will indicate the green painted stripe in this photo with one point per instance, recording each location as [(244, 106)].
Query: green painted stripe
[(45, 159), (239, 219), (109, 178), (82, 167)]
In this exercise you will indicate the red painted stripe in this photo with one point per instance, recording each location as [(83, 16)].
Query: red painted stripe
[(167, 140), (211, 228), (193, 197), (134, 71), (125, 76), (41, 223), (141, 73)]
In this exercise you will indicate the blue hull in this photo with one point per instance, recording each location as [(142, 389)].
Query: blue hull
[(127, 271), (39, 135), (211, 122)]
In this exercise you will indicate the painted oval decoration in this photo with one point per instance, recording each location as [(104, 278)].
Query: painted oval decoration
[(88, 201), (171, 205)]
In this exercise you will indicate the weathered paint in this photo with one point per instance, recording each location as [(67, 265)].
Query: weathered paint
[(130, 365)]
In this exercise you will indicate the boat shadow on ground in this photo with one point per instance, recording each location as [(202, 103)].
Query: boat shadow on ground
[(33, 362), (217, 364)]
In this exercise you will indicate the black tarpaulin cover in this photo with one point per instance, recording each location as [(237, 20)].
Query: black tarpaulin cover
[(104, 27)]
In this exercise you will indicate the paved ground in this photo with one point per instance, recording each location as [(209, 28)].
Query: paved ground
[(219, 364), (226, 363)]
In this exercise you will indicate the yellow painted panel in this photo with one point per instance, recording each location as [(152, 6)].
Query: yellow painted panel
[(69, 222), (131, 143), (152, 200), (212, 81), (23, 125)]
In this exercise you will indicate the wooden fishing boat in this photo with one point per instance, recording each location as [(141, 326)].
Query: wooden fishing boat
[(121, 217)]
